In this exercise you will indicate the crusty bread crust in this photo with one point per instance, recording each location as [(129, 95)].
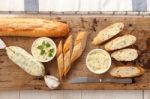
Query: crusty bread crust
[(30, 27), (79, 45), (67, 50), (127, 54), (60, 59), (126, 71), (108, 33), (120, 42)]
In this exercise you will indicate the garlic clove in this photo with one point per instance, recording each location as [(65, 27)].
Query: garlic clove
[(51, 81), (2, 44)]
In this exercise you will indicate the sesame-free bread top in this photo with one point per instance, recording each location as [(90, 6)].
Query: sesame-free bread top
[(30, 27)]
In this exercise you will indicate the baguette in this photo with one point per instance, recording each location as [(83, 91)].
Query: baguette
[(125, 54), (108, 33), (60, 59), (126, 71), (30, 27), (67, 50), (120, 42), (79, 45)]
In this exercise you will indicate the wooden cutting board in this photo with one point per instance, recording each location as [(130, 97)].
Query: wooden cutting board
[(12, 77)]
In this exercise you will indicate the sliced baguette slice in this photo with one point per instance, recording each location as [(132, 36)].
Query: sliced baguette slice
[(120, 42), (108, 33), (79, 45), (125, 54), (126, 71), (60, 59), (67, 50)]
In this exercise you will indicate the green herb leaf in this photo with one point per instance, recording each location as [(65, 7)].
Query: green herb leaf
[(51, 50), (43, 43), (42, 52), (47, 44), (40, 47), (50, 54)]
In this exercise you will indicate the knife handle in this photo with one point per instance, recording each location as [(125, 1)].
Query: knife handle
[(117, 80)]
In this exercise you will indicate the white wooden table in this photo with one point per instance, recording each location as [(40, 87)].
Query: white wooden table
[(77, 5)]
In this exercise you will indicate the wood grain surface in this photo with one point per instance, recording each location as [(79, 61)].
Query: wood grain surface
[(12, 77)]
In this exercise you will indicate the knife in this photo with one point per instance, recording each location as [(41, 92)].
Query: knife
[(100, 80)]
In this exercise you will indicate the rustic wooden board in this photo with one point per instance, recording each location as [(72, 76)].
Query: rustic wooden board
[(12, 77)]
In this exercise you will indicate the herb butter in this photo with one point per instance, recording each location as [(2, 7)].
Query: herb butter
[(43, 49), (98, 61)]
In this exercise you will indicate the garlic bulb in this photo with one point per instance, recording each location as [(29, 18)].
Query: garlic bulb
[(2, 44), (51, 81)]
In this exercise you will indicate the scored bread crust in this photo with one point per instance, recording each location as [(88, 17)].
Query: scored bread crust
[(79, 45), (108, 33), (127, 54), (126, 71), (32, 27), (60, 59), (67, 50), (120, 42)]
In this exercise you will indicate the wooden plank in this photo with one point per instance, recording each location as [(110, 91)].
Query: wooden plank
[(4, 5), (72, 94), (112, 94), (66, 94), (115, 5), (85, 5), (16, 5), (44, 6), (9, 94), (12, 77), (146, 94), (28, 94), (56, 94)]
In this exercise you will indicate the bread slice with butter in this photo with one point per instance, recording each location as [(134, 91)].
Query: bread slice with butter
[(108, 33), (120, 42), (128, 54), (126, 71)]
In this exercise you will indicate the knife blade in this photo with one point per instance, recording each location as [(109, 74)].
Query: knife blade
[(78, 80)]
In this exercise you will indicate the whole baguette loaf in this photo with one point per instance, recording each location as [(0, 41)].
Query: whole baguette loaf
[(120, 42), (108, 33), (60, 59), (67, 50), (126, 71), (79, 45), (30, 27), (125, 54)]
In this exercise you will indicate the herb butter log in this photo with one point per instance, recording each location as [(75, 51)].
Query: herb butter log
[(120, 42), (108, 33), (30, 27), (24, 60)]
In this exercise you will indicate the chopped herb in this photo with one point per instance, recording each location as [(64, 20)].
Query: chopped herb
[(43, 43), (51, 50), (40, 47), (47, 44), (50, 54), (124, 42), (42, 52)]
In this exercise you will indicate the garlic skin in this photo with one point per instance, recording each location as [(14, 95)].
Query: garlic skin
[(51, 81), (2, 44)]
